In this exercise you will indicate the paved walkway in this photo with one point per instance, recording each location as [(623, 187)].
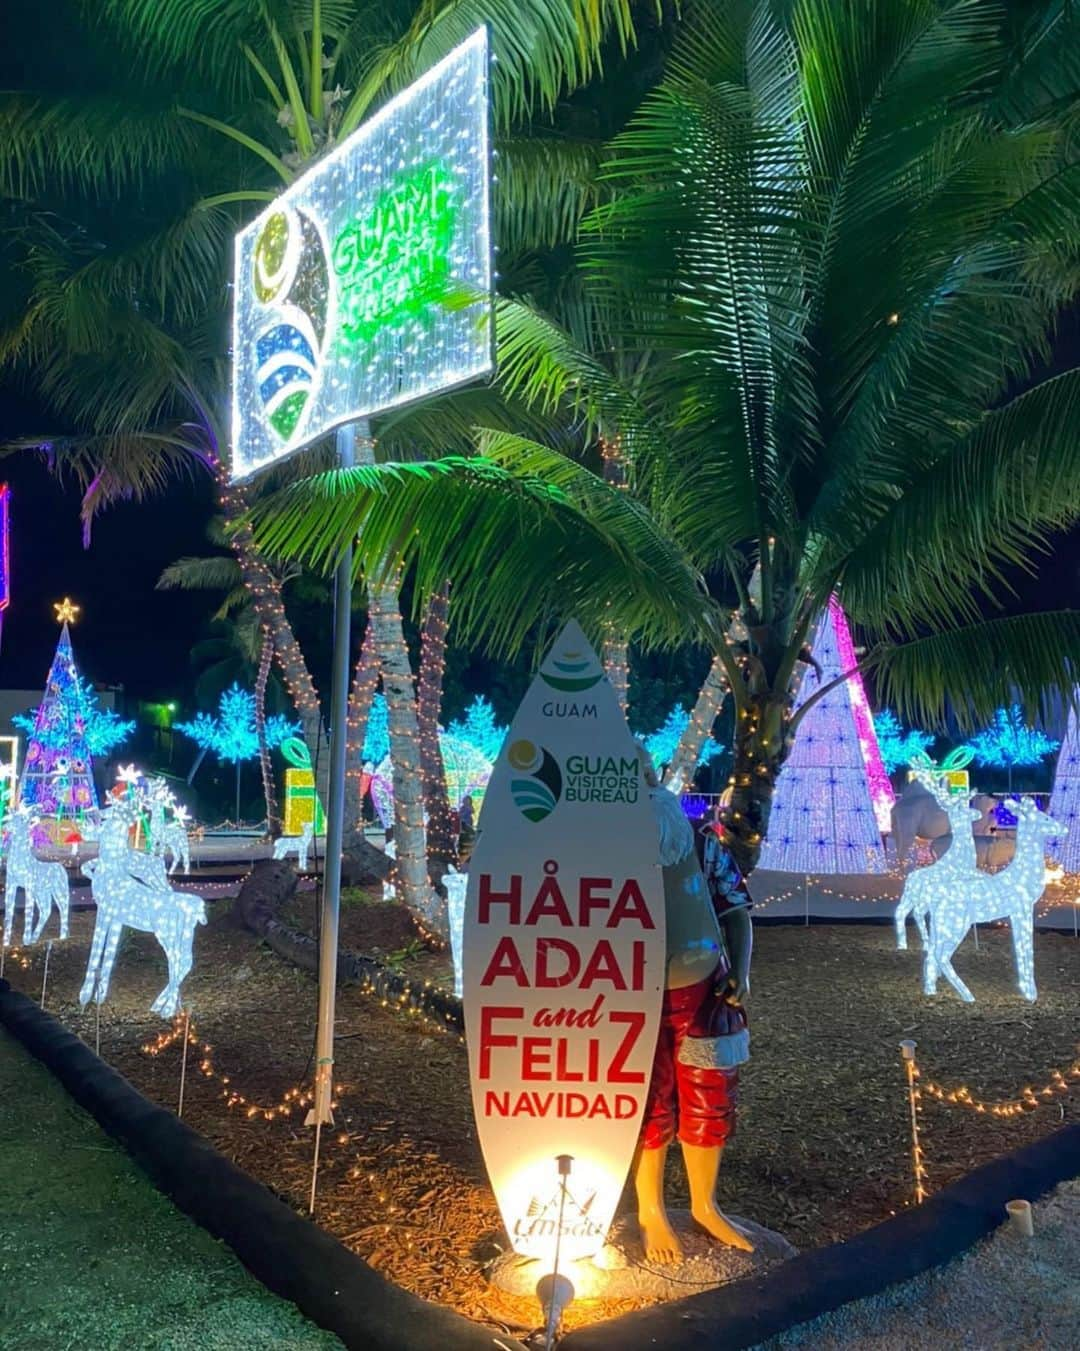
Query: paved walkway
[(93, 1257)]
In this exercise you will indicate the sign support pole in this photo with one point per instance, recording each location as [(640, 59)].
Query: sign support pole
[(321, 1113)]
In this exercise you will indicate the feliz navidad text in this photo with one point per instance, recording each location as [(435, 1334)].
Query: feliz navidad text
[(576, 1038)]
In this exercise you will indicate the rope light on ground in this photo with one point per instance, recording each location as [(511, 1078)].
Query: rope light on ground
[(294, 1098), (1030, 1099)]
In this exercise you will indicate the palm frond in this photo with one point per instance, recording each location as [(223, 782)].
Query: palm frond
[(97, 144), (974, 669), (944, 547), (544, 187), (541, 51), (200, 574), (523, 546)]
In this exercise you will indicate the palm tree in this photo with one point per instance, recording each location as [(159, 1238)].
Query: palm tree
[(222, 572), (219, 106), (844, 233)]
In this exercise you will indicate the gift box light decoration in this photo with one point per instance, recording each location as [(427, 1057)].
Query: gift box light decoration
[(987, 897), (833, 798), (367, 283), (465, 769), (130, 889), (302, 806)]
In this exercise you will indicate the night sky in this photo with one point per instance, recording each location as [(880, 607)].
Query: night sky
[(128, 634)]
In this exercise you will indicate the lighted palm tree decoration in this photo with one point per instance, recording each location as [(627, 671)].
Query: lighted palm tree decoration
[(844, 233)]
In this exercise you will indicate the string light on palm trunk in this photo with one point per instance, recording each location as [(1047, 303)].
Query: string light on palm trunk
[(432, 669)]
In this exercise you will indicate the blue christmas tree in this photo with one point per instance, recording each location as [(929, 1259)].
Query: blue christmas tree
[(1009, 742), (104, 730), (377, 736), (897, 746), (663, 743), (479, 728), (231, 735)]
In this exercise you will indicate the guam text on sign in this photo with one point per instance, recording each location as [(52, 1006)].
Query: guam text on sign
[(564, 956), (367, 283)]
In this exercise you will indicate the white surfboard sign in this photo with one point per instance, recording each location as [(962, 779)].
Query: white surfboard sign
[(564, 957)]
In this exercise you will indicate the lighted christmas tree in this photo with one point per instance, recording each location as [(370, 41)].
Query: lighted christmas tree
[(833, 796), (232, 734), (663, 743), (377, 733), (1009, 742), (64, 732), (1065, 800), (479, 728), (897, 745)]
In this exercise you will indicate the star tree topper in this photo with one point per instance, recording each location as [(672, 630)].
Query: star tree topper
[(66, 612)]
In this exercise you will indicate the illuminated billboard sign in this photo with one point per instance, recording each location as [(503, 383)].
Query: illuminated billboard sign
[(367, 284)]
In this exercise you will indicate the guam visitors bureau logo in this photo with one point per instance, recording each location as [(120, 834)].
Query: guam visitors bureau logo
[(290, 279), (571, 671), (537, 783)]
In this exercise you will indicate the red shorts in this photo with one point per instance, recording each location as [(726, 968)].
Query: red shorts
[(690, 1093)]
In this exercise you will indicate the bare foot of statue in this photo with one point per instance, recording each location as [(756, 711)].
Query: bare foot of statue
[(658, 1239), (715, 1224)]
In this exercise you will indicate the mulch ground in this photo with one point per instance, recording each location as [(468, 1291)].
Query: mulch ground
[(823, 1145)]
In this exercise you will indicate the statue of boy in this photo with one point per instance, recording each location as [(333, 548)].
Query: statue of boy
[(704, 1035)]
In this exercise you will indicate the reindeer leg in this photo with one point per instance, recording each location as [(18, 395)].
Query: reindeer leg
[(944, 961), (112, 942), (11, 890), (94, 965), (168, 1001), (63, 905), (1024, 953), (901, 927), (43, 907), (29, 911)]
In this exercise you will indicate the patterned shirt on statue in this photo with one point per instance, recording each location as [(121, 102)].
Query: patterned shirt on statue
[(726, 885)]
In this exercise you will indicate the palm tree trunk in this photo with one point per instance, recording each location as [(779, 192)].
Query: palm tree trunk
[(411, 868), (680, 772), (365, 679), (266, 657), (616, 653), (440, 829), (266, 598), (616, 659)]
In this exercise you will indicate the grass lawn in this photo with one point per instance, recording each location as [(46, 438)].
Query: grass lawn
[(93, 1257)]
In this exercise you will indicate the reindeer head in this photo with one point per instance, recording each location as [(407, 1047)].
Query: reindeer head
[(1035, 822), (958, 809)]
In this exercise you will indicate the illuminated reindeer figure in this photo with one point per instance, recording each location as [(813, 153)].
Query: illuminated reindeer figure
[(44, 884), (168, 837), (299, 845), (1010, 894), (130, 888), (924, 886)]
